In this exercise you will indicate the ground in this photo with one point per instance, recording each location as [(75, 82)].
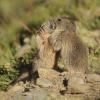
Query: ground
[(53, 85)]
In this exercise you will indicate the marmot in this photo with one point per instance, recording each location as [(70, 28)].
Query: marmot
[(63, 38), (46, 52)]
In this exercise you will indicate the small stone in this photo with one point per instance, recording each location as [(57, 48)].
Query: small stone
[(93, 78), (44, 83), (76, 80), (78, 89), (21, 83), (77, 84), (39, 94)]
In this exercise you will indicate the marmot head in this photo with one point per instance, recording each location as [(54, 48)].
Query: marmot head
[(59, 24), (58, 29)]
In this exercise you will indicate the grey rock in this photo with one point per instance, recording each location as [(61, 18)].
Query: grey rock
[(35, 94), (77, 78), (78, 89), (77, 84), (39, 94), (44, 83), (93, 78)]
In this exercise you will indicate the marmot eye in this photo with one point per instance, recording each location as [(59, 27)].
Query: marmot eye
[(59, 19)]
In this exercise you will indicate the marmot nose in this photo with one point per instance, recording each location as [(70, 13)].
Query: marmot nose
[(53, 27)]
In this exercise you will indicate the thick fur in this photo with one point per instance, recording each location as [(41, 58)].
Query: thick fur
[(72, 50), (46, 52)]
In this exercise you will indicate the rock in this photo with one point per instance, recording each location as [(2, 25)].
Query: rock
[(96, 86), (44, 83), (72, 86), (35, 94), (39, 94), (22, 97), (16, 88), (78, 89), (93, 78), (48, 73), (75, 97), (77, 78), (77, 84)]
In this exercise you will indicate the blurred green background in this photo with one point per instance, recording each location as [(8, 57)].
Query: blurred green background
[(20, 19)]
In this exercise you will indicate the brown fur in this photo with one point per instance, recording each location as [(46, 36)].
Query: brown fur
[(46, 52), (72, 50)]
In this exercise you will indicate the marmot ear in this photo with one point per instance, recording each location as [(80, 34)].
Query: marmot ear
[(73, 18)]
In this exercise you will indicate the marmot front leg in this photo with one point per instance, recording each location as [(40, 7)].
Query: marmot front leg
[(33, 71)]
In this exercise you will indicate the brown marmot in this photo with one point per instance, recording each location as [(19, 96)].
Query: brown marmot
[(62, 37), (46, 52)]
